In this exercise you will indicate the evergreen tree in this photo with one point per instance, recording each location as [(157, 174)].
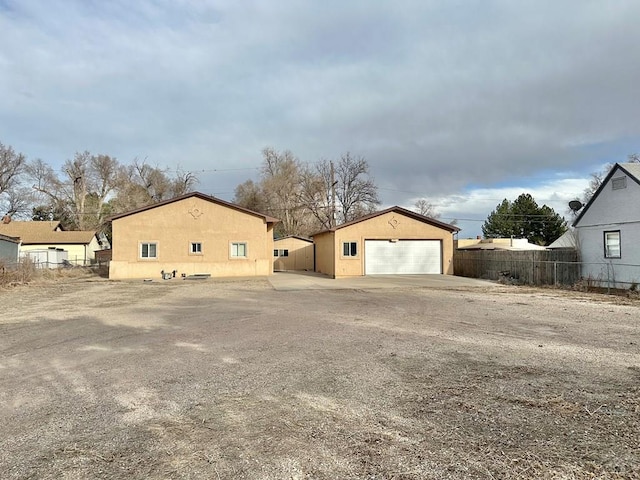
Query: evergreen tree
[(523, 218)]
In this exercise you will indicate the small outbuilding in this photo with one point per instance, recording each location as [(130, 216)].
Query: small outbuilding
[(293, 253), (392, 241), (9, 249)]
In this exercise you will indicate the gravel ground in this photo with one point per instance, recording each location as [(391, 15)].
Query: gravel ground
[(232, 379)]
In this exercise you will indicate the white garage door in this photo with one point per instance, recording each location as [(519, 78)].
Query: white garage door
[(402, 257)]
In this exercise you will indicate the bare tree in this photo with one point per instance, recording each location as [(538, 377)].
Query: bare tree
[(426, 208), (356, 192), (305, 197), (141, 184), (12, 166), (316, 193), (281, 187), (81, 191), (249, 195)]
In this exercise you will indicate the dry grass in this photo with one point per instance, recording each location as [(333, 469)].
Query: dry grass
[(26, 273)]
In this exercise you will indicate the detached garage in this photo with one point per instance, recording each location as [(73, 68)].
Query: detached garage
[(394, 241)]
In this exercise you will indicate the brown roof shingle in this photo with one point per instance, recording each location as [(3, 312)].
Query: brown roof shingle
[(44, 232)]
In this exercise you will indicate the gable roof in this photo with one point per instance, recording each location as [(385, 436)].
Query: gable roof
[(304, 239), (30, 232), (566, 240), (201, 196), (396, 209), (632, 170), (44, 233)]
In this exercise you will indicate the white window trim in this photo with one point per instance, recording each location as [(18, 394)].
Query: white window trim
[(350, 243), (148, 243), (191, 245), (607, 254), (246, 250)]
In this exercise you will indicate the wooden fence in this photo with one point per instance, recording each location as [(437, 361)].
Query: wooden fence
[(532, 267)]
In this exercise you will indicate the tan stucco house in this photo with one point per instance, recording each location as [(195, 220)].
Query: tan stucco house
[(194, 234), (41, 236), (293, 253), (392, 241)]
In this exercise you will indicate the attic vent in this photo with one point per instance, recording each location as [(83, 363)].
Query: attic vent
[(619, 183)]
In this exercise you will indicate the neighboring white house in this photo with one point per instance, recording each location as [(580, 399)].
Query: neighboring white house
[(608, 229)]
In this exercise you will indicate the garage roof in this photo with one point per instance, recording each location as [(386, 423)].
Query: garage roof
[(396, 209)]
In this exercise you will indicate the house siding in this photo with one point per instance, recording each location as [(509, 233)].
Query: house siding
[(8, 251), (619, 272), (174, 226), (611, 210), (76, 254)]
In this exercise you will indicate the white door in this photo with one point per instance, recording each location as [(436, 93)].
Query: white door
[(402, 257)]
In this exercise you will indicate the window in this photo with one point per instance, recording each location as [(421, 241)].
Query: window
[(612, 244), (239, 249), (196, 248), (275, 252), (349, 249), (148, 250), (281, 253), (618, 183)]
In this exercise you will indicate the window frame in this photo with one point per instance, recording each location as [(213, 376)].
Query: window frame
[(607, 252), (197, 250), (352, 250), (148, 244), (236, 245)]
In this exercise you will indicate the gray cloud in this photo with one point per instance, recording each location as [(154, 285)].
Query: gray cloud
[(438, 96)]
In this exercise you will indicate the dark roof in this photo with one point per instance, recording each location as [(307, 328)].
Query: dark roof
[(201, 196), (295, 236), (632, 170), (7, 238), (403, 211)]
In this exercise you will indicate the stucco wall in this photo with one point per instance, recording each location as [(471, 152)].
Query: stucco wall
[(300, 254), (174, 226), (392, 225), (325, 253)]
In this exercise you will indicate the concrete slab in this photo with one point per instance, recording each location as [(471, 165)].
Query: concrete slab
[(315, 281)]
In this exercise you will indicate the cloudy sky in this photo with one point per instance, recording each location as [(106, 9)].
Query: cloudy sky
[(461, 102)]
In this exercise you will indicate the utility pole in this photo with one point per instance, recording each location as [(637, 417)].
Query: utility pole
[(332, 220)]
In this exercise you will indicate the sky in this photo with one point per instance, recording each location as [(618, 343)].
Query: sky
[(463, 103)]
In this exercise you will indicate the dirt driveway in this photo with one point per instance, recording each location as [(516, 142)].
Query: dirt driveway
[(234, 379)]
